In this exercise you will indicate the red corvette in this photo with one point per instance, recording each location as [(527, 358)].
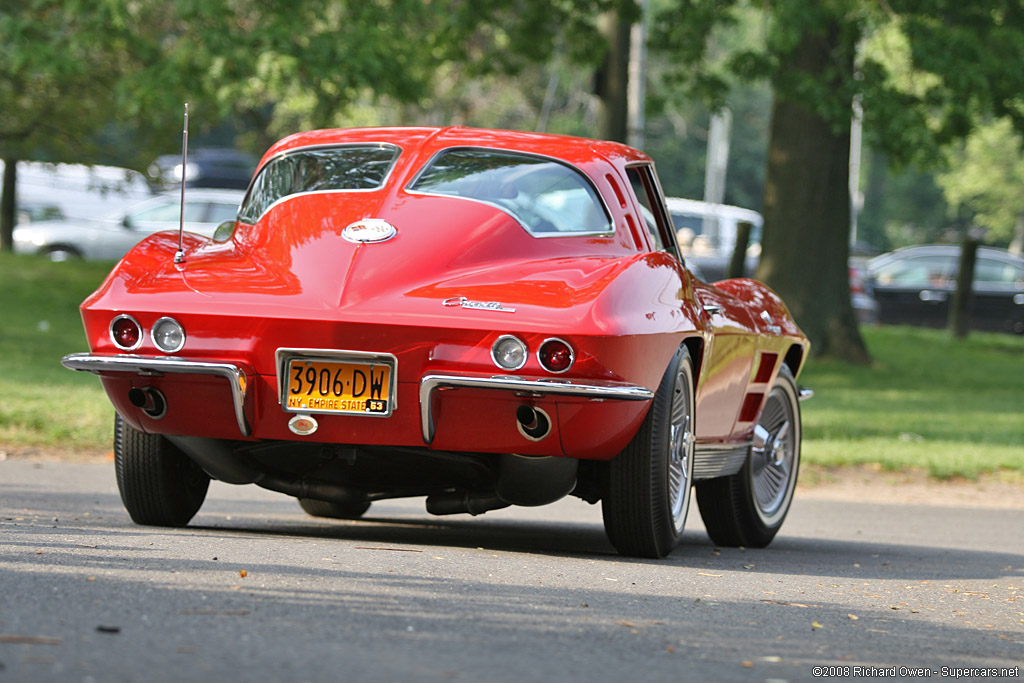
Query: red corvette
[(485, 318)]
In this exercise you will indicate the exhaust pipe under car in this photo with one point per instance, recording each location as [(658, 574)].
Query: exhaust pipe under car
[(150, 400), (532, 422)]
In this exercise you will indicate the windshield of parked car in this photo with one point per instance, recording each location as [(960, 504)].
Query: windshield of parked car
[(319, 169), (547, 197)]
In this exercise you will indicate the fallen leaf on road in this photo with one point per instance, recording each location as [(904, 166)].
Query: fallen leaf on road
[(226, 612), (243, 573), (787, 604), (29, 640), (815, 624)]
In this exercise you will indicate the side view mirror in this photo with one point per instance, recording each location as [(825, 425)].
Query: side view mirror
[(127, 222), (223, 231)]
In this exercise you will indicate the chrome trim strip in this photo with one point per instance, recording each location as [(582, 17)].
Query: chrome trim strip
[(713, 461), (150, 366), (591, 389), (804, 393)]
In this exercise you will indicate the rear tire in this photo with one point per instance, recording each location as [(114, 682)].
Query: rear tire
[(159, 485), (646, 488), (749, 507), (334, 510)]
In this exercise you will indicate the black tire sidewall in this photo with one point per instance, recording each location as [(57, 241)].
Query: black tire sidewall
[(637, 509)]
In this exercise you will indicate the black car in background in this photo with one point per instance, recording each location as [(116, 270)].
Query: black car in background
[(214, 167), (915, 286)]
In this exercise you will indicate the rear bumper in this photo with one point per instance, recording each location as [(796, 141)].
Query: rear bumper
[(429, 385), (528, 387), (150, 366)]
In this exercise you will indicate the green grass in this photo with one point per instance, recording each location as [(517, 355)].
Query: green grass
[(41, 402), (953, 408)]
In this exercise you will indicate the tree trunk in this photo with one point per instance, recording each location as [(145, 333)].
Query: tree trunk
[(1017, 244), (807, 208), (960, 310), (8, 205), (613, 79)]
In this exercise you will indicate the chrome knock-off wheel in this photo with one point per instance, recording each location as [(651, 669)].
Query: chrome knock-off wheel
[(748, 508), (773, 456), (681, 439)]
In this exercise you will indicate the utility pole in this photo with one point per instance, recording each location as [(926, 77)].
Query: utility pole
[(637, 87)]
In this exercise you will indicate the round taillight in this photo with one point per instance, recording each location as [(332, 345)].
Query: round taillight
[(168, 335), (555, 355), (508, 352), (126, 333)]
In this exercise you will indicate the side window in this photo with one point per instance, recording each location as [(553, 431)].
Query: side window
[(656, 218), (991, 271), (924, 271)]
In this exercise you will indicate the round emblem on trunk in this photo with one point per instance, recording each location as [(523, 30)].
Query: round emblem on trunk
[(368, 231)]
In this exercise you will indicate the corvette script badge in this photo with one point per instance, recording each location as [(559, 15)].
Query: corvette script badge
[(478, 305)]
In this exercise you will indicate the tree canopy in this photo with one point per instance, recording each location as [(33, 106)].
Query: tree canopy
[(952, 65)]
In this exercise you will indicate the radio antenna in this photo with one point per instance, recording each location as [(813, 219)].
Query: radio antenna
[(179, 257)]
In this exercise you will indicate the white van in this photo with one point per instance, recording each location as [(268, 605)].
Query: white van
[(75, 191), (706, 229)]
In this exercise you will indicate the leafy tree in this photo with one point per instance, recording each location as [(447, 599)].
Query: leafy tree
[(59, 64), (988, 177), (74, 67), (961, 63)]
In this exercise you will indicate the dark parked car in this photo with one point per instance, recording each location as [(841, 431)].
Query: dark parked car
[(914, 286), (207, 167)]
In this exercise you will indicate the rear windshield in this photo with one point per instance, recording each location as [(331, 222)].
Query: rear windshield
[(547, 197), (321, 169)]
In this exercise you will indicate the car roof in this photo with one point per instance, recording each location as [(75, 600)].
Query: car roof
[(701, 208), (943, 250), (431, 139)]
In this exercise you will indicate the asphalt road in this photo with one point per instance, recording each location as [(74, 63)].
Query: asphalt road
[(255, 590)]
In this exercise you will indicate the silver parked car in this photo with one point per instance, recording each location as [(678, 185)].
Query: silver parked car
[(112, 237)]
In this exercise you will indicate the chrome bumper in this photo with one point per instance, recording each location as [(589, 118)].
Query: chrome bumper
[(150, 366), (593, 390)]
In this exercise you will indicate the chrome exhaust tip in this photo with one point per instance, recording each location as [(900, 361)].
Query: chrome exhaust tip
[(532, 422), (150, 400)]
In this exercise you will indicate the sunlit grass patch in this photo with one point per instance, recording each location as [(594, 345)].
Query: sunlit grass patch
[(953, 407)]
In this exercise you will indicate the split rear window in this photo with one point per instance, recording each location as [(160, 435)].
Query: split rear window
[(547, 197), (318, 169)]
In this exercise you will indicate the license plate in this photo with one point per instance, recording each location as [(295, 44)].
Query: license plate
[(349, 387)]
